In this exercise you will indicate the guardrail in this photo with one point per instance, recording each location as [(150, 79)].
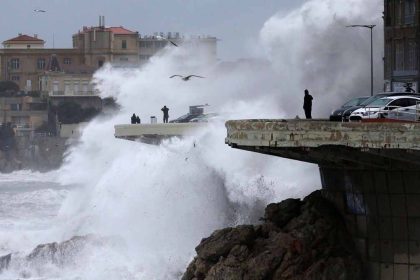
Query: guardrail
[(393, 113), (73, 93)]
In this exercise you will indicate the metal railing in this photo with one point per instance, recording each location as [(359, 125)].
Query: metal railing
[(392, 113), (73, 93)]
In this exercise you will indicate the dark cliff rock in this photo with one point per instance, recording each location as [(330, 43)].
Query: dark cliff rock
[(37, 153), (298, 240)]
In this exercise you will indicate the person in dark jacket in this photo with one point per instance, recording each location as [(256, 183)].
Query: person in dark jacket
[(138, 119), (165, 111), (307, 104), (133, 119)]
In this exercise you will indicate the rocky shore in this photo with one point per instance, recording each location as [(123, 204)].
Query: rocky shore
[(298, 240)]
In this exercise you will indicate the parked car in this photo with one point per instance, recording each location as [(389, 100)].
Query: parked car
[(345, 115), (411, 113), (205, 117), (337, 115), (380, 107), (185, 118), (195, 111)]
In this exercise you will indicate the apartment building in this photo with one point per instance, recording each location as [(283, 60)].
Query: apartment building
[(25, 60), (401, 59)]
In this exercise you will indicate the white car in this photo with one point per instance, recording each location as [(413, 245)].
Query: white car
[(380, 107), (206, 117)]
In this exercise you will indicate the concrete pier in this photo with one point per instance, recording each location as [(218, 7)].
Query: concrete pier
[(371, 171), (155, 133)]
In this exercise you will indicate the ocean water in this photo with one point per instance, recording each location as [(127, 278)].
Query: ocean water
[(140, 209)]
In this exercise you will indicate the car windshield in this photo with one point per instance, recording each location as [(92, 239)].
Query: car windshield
[(355, 102), (380, 102), (371, 99)]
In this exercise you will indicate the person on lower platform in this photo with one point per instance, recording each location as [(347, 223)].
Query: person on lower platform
[(133, 119), (165, 111)]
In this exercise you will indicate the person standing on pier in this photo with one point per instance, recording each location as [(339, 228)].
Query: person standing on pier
[(307, 104), (165, 111), (133, 119)]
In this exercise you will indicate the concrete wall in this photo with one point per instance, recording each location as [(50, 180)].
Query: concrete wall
[(382, 210)]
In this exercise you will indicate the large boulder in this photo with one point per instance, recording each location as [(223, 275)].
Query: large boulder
[(298, 240)]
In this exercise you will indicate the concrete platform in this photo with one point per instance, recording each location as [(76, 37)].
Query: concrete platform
[(350, 145), (370, 171), (155, 133)]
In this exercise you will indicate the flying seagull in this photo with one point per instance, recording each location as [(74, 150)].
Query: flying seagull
[(39, 11), (186, 78), (166, 39)]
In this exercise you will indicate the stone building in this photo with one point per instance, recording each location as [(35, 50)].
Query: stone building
[(401, 61), (25, 61), (99, 45)]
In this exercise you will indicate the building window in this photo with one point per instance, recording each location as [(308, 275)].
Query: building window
[(40, 63), (399, 55), (412, 55), (15, 107), (387, 14), (409, 11), (124, 44), (14, 63), (145, 44), (76, 87), (85, 87), (55, 86), (28, 46), (100, 63), (67, 88), (388, 58), (398, 12), (123, 58), (67, 60), (160, 44), (15, 78), (144, 57)]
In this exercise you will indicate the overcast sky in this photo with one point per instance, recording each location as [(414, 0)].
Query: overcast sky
[(235, 22)]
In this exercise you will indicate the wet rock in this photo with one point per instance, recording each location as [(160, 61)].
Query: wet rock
[(57, 254), (299, 240), (222, 241), (281, 213)]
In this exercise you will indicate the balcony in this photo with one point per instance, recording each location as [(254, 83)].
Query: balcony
[(73, 93), (404, 73)]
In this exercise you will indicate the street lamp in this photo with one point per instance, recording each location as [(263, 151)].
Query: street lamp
[(371, 51)]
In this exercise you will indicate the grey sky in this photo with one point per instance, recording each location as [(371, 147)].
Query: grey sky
[(235, 22)]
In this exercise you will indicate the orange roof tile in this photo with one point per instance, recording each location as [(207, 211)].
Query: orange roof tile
[(120, 30), (24, 37)]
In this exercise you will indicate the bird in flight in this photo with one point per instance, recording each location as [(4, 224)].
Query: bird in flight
[(39, 11), (186, 78), (166, 39)]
